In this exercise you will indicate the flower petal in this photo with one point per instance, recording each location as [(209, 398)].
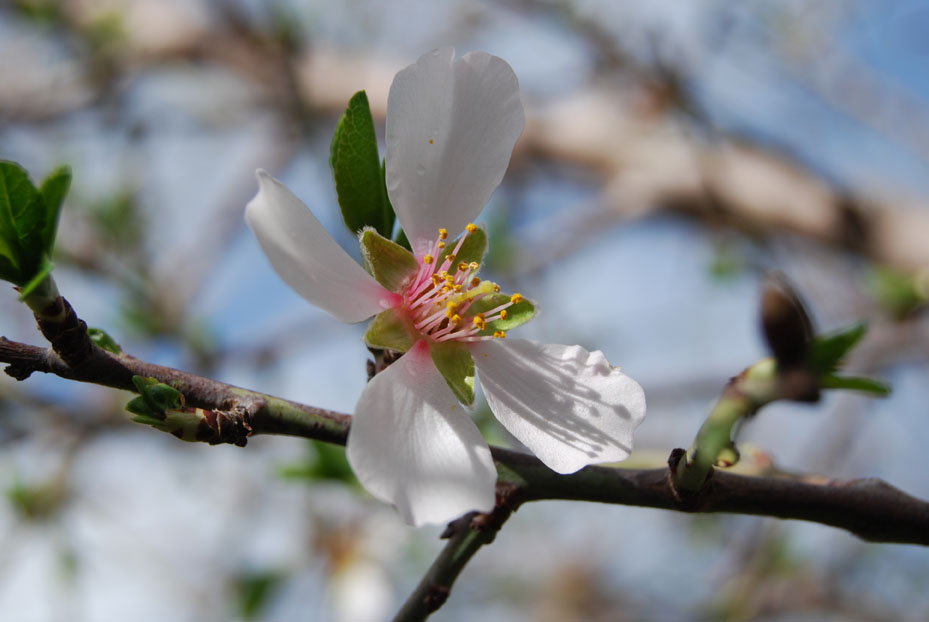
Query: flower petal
[(451, 128), (569, 406), (306, 256), (413, 445)]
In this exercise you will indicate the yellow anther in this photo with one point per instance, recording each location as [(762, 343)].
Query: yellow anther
[(496, 288), (475, 281), (436, 279), (458, 288), (503, 314), (471, 227), (456, 320), (443, 274), (450, 258), (474, 265), (479, 321), (443, 233), (462, 266), (516, 298), (499, 334), (450, 313), (440, 245), (428, 259), (451, 304), (446, 288), (431, 141), (449, 279)]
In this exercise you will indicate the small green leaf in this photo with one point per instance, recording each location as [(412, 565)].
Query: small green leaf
[(17, 194), (516, 314), (390, 330), (472, 249), (855, 383), (158, 396), (103, 340), (53, 191), (827, 351), (454, 362), (898, 291), (356, 166), (28, 221), (390, 264)]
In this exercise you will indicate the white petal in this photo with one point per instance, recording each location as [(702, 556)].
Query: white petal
[(413, 445), (306, 256), (451, 128), (568, 405)]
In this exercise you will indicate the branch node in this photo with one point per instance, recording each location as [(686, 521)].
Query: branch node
[(436, 595)]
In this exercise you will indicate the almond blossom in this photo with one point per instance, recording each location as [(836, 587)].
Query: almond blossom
[(451, 128)]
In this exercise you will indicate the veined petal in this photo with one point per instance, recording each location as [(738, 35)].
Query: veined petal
[(306, 256), (451, 128), (413, 445), (569, 406)]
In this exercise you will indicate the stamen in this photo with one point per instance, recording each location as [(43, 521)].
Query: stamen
[(471, 228), (499, 334), (503, 314), (516, 298), (443, 233), (428, 259)]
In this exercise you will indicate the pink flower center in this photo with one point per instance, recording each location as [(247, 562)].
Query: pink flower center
[(440, 300)]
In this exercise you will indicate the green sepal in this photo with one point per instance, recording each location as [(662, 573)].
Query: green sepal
[(455, 363), (390, 264), (855, 383), (472, 249), (356, 166), (516, 315), (103, 340), (390, 330), (827, 351)]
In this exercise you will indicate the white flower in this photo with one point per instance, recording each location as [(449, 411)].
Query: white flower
[(451, 127)]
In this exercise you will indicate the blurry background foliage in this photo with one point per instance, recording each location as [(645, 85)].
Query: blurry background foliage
[(674, 152)]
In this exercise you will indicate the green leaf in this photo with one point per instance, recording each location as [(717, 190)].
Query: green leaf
[(472, 249), (827, 351), (356, 166), (390, 264), (896, 290), (157, 396), (53, 191), (390, 330), (855, 383), (103, 340), (516, 314), (454, 362), (17, 196)]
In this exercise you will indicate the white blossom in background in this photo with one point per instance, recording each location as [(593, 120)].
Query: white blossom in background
[(451, 128)]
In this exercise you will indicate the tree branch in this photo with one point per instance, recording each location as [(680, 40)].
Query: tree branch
[(869, 508)]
